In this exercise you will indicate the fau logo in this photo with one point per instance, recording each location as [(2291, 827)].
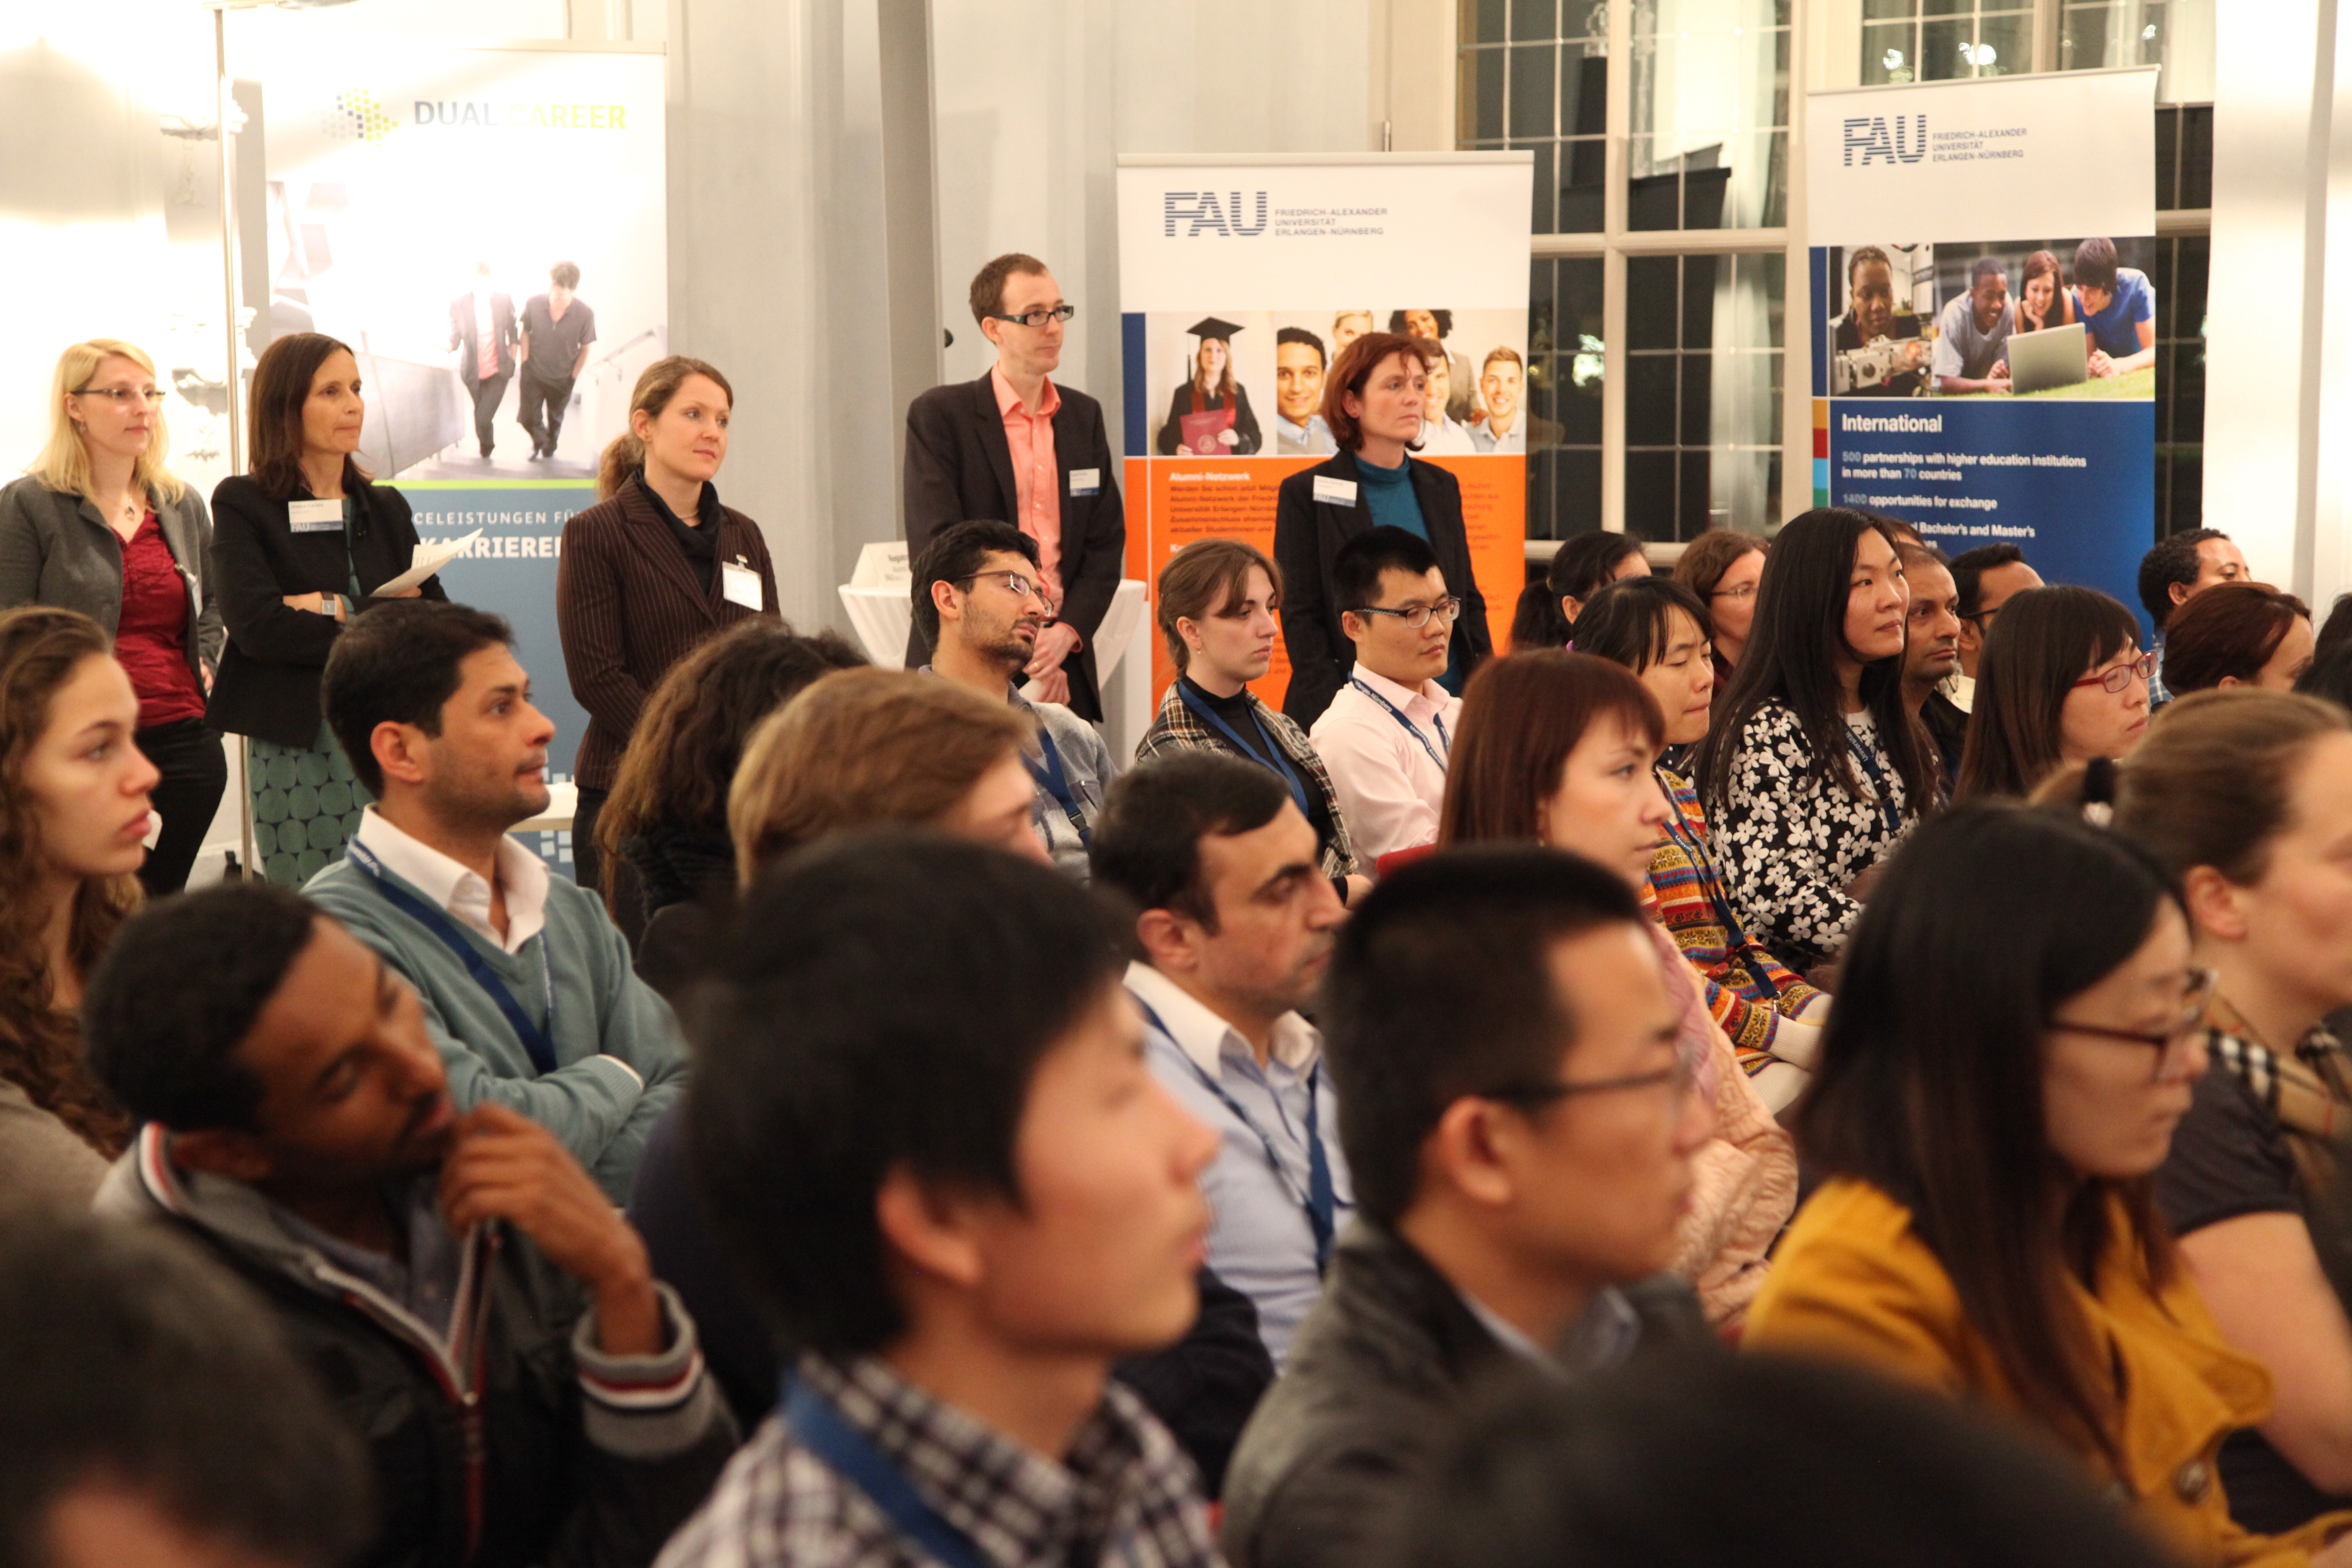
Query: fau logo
[(1203, 211), (1871, 136)]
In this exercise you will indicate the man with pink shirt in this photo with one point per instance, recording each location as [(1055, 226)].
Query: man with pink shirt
[(1012, 447)]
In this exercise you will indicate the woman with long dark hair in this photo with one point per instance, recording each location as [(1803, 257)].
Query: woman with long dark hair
[(2062, 680), (1580, 568), (1210, 415), (1815, 770), (2019, 1030), (2042, 299)]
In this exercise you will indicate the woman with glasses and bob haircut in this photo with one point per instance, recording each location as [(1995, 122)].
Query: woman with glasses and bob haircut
[(2062, 680), (2246, 796), (1724, 567), (100, 525), (2019, 1029), (1556, 748)]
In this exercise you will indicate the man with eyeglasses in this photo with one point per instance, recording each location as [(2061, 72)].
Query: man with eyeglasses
[(981, 609), (1519, 1130), (1987, 577), (1386, 735), (1014, 446)]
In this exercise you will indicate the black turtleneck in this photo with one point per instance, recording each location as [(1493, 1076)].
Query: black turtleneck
[(700, 544), (1237, 711)]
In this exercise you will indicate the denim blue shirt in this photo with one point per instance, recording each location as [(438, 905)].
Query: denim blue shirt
[(1260, 1242)]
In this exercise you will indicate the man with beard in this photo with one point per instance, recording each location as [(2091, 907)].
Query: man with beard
[(527, 983), (981, 604), (1236, 929)]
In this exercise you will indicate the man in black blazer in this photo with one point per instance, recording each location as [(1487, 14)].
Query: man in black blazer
[(961, 467), (485, 367)]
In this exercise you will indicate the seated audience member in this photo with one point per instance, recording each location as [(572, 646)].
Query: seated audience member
[(475, 1308), (1386, 735), (925, 1126), (979, 607), (1234, 923), (1814, 772), (526, 984), (1655, 627), (1219, 605), (2063, 680), (1580, 568), (1520, 1123), (2330, 675), (1987, 577), (2019, 1030), (1721, 567), (2241, 633), (2181, 566), (1802, 1462), (2247, 797), (1972, 333), (1931, 654), (73, 813), (2116, 305), (154, 1417), (2337, 630), (1547, 738)]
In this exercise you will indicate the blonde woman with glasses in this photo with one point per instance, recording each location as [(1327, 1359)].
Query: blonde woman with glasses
[(100, 525)]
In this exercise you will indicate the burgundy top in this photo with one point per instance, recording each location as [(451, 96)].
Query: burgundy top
[(151, 639)]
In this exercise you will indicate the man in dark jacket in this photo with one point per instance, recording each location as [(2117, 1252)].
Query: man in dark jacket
[(1519, 1127), (1014, 448), (467, 1297)]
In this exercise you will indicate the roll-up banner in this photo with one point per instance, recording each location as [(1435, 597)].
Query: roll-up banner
[(1983, 265), (1292, 258), (428, 202)]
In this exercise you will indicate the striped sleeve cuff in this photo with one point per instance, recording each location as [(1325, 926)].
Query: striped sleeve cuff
[(646, 1406)]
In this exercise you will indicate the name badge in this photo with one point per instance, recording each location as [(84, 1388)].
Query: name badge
[(315, 516), (1085, 481), (740, 586), (1339, 492)]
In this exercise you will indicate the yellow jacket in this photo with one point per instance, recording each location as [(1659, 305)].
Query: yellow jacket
[(1853, 1280)]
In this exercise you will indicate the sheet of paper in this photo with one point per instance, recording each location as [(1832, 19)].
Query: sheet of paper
[(427, 560)]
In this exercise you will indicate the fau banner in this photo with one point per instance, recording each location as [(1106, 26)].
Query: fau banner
[(1984, 277), (1283, 261)]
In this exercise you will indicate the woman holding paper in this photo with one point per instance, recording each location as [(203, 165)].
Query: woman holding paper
[(300, 545), (1210, 415)]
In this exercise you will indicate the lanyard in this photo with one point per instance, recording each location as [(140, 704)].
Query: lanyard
[(1054, 781), (1272, 758), (537, 1041), (1737, 943), (824, 1431), (1320, 1203), (1891, 819), (1410, 726)]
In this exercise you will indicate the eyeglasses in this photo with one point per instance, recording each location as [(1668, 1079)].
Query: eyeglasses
[(2121, 675), (1023, 588), (2170, 1045), (150, 395), (1680, 1076), (1417, 615), (1745, 591), (1037, 319)]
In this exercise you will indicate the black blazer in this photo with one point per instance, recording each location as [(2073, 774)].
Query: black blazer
[(1171, 432), (465, 334), (268, 682), (959, 469), (1307, 534)]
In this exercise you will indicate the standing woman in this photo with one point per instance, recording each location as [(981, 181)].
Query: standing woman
[(1815, 771), (650, 571), (298, 546), (100, 525), (2062, 680), (1210, 415), (1723, 567), (1373, 401)]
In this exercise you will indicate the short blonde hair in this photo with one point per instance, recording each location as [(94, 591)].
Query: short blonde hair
[(862, 747), (64, 463)]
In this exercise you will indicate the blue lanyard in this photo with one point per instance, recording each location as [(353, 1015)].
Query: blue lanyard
[(1054, 781), (1272, 758), (821, 1428), (1410, 726), (1737, 943), (1890, 818), (1321, 1203), (536, 1041)]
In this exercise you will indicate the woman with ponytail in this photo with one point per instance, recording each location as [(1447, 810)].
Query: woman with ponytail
[(2246, 796), (654, 568), (1580, 568)]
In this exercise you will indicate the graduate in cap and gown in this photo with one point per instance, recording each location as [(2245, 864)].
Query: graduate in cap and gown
[(1210, 415)]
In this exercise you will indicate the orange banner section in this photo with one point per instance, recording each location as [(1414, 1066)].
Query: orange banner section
[(1172, 501)]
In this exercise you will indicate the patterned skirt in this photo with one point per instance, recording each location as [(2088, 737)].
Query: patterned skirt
[(306, 806)]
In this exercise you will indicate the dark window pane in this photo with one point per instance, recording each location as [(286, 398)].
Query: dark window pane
[(2197, 155), (1939, 51), (2159, 273), (1652, 201), (1584, 19), (1651, 301), (1482, 21), (2186, 392), (1650, 400), (1703, 192), (1542, 335), (2188, 509), (2194, 262), (2082, 45), (1583, 93), (1946, 7), (1532, 105), (1532, 20), (1699, 408), (1539, 490), (1698, 301), (1693, 520), (1486, 96), (1890, 53), (1583, 190), (2168, 157), (1577, 407), (1547, 188), (1650, 494), (1575, 490), (1878, 10)]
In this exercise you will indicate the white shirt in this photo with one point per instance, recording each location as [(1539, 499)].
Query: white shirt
[(460, 892), (1387, 775), (1443, 437), (1513, 440)]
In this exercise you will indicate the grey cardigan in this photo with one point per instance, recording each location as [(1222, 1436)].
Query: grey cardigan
[(56, 549)]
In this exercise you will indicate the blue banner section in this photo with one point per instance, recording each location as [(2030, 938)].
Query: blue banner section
[(1131, 372), (510, 571), (2069, 482)]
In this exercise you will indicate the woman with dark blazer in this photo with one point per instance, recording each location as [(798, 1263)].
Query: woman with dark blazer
[(1372, 401), (651, 571), (100, 525), (299, 546), (1211, 390)]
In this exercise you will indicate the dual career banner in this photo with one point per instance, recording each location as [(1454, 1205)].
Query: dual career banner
[(1984, 281), (1299, 257)]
